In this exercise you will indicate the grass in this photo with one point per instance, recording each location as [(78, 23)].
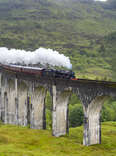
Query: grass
[(21, 141)]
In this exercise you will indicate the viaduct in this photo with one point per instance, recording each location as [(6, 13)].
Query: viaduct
[(16, 90)]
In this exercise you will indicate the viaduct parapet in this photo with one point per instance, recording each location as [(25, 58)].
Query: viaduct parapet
[(22, 102)]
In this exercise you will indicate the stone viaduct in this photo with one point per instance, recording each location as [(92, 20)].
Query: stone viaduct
[(22, 102)]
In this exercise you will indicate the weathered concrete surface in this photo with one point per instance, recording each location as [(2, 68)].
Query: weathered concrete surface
[(60, 112), (10, 96), (37, 98), (8, 101), (92, 126), (1, 100), (0, 96), (22, 103)]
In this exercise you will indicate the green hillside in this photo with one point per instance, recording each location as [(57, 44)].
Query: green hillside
[(73, 27), (85, 31), (19, 141)]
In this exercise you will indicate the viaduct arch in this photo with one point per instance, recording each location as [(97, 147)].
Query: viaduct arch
[(22, 102)]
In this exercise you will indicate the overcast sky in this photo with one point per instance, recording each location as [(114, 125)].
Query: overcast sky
[(101, 0)]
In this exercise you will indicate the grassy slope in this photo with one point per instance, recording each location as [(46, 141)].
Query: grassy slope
[(71, 28), (18, 141)]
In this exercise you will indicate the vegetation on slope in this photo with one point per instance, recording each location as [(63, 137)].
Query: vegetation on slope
[(108, 51), (72, 27), (19, 141)]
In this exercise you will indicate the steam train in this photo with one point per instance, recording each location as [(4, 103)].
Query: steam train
[(41, 72)]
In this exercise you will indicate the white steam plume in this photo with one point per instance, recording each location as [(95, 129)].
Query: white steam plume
[(41, 55)]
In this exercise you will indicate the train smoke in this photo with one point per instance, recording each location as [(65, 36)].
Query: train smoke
[(40, 56)]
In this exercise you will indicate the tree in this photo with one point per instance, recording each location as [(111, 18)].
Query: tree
[(75, 115)]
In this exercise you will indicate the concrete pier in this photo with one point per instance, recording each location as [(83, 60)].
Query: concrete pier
[(22, 103), (16, 102), (60, 112), (0, 96), (37, 101), (92, 123)]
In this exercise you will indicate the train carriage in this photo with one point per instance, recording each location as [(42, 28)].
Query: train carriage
[(39, 71)]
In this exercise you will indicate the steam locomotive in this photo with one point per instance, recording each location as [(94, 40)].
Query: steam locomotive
[(41, 72)]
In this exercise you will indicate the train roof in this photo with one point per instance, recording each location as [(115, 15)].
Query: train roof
[(25, 67), (37, 68)]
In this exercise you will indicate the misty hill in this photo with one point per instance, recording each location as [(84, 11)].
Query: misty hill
[(111, 4), (76, 28)]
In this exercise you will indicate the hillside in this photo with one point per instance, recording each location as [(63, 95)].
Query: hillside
[(16, 141), (73, 27)]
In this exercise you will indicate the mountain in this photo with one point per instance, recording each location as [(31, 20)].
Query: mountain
[(77, 28)]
